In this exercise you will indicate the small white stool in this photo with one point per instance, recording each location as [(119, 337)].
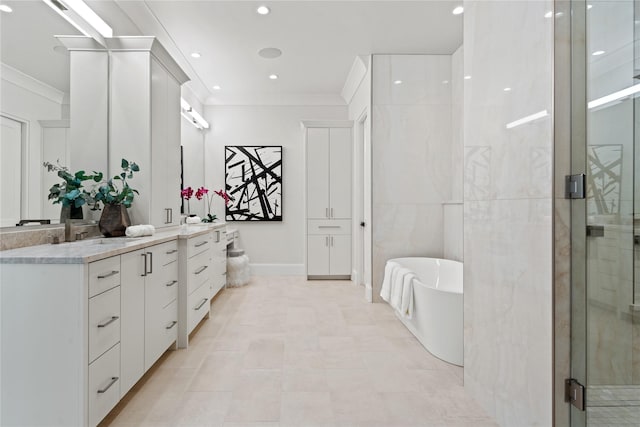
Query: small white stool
[(238, 273)]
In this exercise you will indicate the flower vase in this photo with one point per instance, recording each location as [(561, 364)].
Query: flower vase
[(114, 220), (70, 212)]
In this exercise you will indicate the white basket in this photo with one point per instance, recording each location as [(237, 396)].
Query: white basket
[(238, 272)]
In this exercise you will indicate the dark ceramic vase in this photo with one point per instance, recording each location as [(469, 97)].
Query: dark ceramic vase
[(70, 212), (114, 220)]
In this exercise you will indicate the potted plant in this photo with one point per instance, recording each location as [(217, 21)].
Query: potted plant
[(117, 196), (70, 193)]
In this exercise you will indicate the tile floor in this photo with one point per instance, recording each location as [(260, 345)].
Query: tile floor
[(284, 352)]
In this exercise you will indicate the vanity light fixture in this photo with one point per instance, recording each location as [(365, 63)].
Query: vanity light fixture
[(548, 14), (216, 87), (527, 119), (458, 10), (82, 17), (5, 8), (507, 89), (444, 82), (192, 115), (273, 76), (195, 55), (589, 6), (397, 82), (467, 77), (263, 10), (631, 90), (598, 53)]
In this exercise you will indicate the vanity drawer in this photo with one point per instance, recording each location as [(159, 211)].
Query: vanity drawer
[(332, 226), (166, 253), (199, 244), (198, 269), (104, 322), (104, 385), (198, 305), (167, 288), (104, 275)]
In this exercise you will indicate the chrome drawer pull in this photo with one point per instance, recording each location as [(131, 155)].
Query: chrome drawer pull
[(108, 322), (171, 283), (201, 243), (201, 269), (104, 276), (173, 251), (201, 304), (172, 324), (113, 381)]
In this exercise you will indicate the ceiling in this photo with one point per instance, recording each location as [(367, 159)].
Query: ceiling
[(319, 41)]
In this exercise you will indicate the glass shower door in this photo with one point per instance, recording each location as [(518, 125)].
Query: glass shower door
[(607, 359)]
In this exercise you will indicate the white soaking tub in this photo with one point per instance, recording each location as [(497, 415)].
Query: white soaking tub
[(437, 318)]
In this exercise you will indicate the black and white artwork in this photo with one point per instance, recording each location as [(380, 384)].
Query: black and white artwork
[(253, 179)]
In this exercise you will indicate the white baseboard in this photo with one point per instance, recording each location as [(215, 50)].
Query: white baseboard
[(278, 269)]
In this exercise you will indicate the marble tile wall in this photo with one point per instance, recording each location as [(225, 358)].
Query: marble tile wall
[(508, 188), (411, 156)]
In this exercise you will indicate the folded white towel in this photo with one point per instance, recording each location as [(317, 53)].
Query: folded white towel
[(396, 287), (194, 220), (389, 269), (140, 230), (406, 307)]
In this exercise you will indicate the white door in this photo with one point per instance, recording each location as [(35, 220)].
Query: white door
[(340, 255), (317, 255), (340, 176), (132, 319), (54, 147), (317, 173), (10, 172)]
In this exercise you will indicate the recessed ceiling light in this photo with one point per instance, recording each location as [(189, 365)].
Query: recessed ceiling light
[(458, 10), (273, 76), (216, 87), (548, 14), (507, 89), (397, 82), (263, 10), (5, 8), (467, 77), (270, 52), (195, 55), (598, 53)]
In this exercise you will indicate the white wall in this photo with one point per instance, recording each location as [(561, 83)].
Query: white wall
[(28, 100), (508, 210), (272, 247), (411, 157)]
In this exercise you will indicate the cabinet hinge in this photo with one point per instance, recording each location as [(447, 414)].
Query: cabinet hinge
[(574, 186), (574, 393)]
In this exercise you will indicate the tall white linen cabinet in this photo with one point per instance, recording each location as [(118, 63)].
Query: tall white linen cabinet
[(329, 147)]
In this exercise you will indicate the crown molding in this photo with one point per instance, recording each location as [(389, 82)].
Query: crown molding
[(31, 84)]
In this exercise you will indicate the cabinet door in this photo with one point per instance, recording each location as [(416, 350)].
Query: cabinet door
[(340, 258), (132, 319), (317, 255), (172, 168), (159, 215), (317, 173), (340, 173)]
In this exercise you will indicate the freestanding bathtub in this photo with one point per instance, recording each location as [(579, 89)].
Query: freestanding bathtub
[(437, 306)]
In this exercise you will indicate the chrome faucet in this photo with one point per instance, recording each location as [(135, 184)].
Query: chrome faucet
[(70, 235)]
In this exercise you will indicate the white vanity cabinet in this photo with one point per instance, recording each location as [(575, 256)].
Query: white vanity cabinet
[(195, 273), (149, 308), (144, 126), (329, 189), (218, 261)]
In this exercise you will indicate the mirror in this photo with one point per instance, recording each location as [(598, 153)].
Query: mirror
[(34, 108)]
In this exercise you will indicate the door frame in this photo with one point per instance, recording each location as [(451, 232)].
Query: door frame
[(362, 203)]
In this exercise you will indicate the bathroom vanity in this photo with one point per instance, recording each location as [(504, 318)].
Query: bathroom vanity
[(81, 322)]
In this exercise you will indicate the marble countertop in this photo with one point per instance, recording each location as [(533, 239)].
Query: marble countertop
[(94, 249)]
